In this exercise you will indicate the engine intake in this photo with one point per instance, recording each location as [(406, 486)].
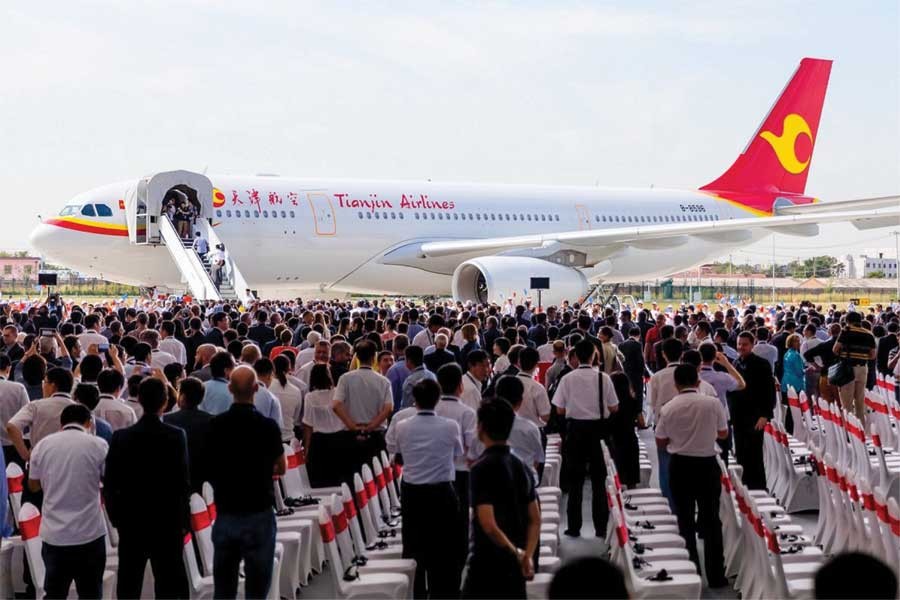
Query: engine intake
[(496, 279)]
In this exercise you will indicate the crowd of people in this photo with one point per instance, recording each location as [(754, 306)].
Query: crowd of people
[(154, 399)]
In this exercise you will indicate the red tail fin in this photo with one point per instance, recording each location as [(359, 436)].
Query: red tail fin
[(778, 156)]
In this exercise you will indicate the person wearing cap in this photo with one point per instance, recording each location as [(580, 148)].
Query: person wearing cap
[(688, 428), (430, 446)]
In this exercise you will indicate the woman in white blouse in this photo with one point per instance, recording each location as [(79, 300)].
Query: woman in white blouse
[(290, 396), (324, 434)]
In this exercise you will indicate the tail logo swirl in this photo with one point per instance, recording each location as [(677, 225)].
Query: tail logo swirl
[(785, 144)]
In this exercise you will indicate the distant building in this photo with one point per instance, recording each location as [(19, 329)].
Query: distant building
[(850, 269), (872, 264), (19, 267)]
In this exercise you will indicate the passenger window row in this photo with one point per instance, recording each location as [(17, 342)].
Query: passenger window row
[(246, 214)]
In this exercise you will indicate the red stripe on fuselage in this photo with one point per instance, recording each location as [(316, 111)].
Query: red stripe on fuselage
[(87, 228)]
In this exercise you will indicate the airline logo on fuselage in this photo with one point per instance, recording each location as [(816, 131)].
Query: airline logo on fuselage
[(786, 144)]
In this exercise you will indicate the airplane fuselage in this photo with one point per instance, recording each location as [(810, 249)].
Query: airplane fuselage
[(302, 235)]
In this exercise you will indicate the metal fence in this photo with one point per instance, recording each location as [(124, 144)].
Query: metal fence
[(751, 290), (75, 286)]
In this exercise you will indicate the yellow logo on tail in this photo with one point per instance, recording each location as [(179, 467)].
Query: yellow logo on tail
[(783, 145)]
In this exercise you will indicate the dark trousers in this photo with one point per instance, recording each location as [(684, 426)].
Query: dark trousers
[(491, 579), (725, 446), (626, 452), (83, 564), (461, 486), (249, 538), (363, 448), (748, 451), (583, 451), (696, 486), (326, 462), (11, 455), (164, 551), (430, 534)]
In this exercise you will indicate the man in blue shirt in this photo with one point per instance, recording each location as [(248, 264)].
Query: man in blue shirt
[(429, 444), (217, 398), (89, 396), (398, 373), (417, 372)]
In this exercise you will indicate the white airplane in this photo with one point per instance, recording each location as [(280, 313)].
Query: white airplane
[(286, 237)]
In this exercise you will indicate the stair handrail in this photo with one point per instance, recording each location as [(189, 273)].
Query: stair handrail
[(231, 270), (197, 279)]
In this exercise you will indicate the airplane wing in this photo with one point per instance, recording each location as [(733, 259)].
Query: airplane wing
[(857, 204), (668, 235)]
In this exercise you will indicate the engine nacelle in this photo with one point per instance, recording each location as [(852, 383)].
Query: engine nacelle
[(496, 279)]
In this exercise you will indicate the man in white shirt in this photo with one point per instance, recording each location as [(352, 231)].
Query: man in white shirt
[(91, 335), (111, 407), (158, 358), (525, 439), (13, 396), (535, 401), (321, 357), (42, 416), (688, 428), (661, 390), (68, 466), (449, 406), (425, 338), (661, 387), (764, 349), (363, 401), (586, 398), (168, 343), (479, 369), (308, 354)]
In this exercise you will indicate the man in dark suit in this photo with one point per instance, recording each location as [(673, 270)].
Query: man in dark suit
[(11, 346), (195, 423), (440, 356), (193, 339), (633, 365), (751, 409), (147, 491), (214, 336), (261, 333)]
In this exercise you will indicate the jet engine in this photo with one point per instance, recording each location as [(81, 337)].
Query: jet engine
[(496, 279)]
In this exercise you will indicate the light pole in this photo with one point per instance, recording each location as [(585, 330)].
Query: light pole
[(896, 235)]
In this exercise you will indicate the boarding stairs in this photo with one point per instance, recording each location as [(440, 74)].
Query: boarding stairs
[(196, 272)]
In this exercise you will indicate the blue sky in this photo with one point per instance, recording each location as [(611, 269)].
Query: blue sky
[(628, 94)]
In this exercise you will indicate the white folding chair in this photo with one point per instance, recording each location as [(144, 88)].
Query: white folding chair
[(30, 527), (362, 585)]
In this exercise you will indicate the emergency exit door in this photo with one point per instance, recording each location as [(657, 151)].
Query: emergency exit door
[(323, 213)]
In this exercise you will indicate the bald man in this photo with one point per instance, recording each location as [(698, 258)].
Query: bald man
[(248, 451)]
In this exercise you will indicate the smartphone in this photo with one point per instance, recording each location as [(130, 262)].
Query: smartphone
[(47, 332), (103, 348), (146, 371)]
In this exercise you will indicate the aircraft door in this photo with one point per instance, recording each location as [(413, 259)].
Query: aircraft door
[(323, 213), (584, 216)]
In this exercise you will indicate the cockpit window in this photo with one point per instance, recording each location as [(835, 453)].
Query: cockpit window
[(103, 210), (88, 210), (69, 210)]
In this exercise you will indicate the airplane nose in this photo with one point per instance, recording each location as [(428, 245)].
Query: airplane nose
[(41, 239)]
